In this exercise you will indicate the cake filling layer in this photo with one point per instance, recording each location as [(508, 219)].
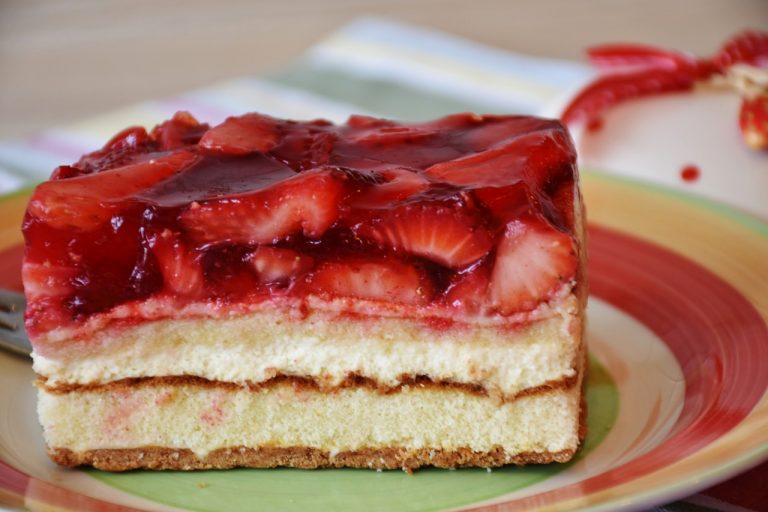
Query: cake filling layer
[(256, 347), (203, 420), (308, 383)]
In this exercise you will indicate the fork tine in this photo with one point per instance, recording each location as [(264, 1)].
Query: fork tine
[(7, 308), (7, 325)]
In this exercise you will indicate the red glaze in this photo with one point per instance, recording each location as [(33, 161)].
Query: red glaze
[(410, 214)]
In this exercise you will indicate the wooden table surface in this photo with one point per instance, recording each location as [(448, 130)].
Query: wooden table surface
[(60, 61)]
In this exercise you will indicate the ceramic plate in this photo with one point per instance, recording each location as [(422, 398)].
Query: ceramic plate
[(676, 393)]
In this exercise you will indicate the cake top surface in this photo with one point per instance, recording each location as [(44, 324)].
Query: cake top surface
[(262, 206)]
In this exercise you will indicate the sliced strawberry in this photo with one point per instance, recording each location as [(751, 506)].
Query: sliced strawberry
[(88, 201), (753, 121), (180, 266), (308, 202), (181, 130), (47, 279), (468, 291), (251, 133), (506, 203), (439, 231), (564, 201), (393, 134), (359, 121), (64, 172), (120, 150), (131, 137), (386, 280), (387, 187), (554, 199), (528, 157), (276, 265), (532, 261), (500, 131)]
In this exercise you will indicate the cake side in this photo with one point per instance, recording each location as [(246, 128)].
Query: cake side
[(270, 292)]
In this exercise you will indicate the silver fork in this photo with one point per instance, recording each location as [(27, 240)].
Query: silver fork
[(13, 337)]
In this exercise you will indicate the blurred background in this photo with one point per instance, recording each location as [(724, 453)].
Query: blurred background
[(61, 61)]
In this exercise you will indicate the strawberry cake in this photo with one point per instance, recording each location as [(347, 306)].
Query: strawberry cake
[(278, 293)]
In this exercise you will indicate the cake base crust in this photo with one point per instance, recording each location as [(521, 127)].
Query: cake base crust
[(297, 457)]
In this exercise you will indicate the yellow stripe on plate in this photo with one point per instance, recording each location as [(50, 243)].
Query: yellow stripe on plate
[(731, 244)]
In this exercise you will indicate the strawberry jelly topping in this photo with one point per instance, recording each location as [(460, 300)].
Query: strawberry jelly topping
[(433, 214)]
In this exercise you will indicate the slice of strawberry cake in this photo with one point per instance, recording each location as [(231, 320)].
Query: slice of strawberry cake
[(278, 293)]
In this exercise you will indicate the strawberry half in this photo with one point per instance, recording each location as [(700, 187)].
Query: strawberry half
[(307, 202), (88, 201), (251, 133), (532, 261), (276, 265), (382, 279), (753, 121), (181, 268), (439, 231)]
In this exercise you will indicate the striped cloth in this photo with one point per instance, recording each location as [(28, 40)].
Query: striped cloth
[(371, 67), (374, 67)]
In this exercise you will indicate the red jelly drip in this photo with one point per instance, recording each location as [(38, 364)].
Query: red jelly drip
[(408, 209), (690, 173)]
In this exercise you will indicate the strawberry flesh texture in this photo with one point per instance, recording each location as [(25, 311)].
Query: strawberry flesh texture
[(179, 266), (277, 265), (468, 291), (251, 133), (532, 261), (256, 207), (445, 230), (386, 280), (306, 203)]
